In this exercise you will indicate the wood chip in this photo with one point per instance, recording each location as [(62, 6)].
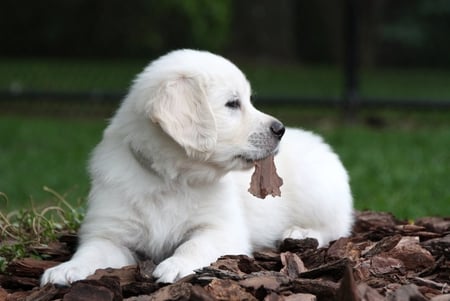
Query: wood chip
[(228, 290), (271, 281), (408, 292), (367, 293), (384, 245), (29, 267), (293, 266), (347, 290), (176, 291), (323, 289), (125, 275), (106, 288), (265, 179), (412, 254)]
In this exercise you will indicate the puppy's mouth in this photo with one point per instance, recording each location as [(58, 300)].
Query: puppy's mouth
[(245, 159), (261, 146), (251, 158)]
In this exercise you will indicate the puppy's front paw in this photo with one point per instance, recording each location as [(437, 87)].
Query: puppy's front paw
[(172, 269), (65, 273)]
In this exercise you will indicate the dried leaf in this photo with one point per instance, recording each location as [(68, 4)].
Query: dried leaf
[(265, 179)]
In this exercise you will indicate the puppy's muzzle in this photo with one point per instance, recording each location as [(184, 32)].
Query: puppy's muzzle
[(277, 129)]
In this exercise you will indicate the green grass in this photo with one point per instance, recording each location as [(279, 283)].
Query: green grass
[(402, 168), (267, 79), (410, 84), (405, 172), (68, 75), (45, 152), (273, 80)]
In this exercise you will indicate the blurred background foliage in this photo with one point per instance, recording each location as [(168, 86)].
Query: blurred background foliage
[(64, 66), (104, 28), (394, 33)]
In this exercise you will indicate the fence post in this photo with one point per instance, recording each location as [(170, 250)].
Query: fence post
[(351, 100)]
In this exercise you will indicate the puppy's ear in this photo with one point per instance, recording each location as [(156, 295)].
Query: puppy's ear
[(181, 109)]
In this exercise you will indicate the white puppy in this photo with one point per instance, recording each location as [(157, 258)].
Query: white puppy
[(170, 177)]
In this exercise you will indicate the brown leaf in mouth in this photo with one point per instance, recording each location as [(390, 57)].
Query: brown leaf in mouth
[(265, 179)]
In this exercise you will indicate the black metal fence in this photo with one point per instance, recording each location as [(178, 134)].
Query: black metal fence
[(350, 102)]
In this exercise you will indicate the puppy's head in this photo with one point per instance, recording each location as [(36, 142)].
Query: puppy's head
[(202, 101)]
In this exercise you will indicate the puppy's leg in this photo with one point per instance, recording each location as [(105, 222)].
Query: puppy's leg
[(90, 256), (198, 252)]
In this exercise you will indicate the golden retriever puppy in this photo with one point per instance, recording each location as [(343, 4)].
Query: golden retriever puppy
[(171, 174)]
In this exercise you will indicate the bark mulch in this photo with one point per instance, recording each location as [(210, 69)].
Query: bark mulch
[(384, 259)]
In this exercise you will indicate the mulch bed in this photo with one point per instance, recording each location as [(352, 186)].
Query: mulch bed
[(384, 259)]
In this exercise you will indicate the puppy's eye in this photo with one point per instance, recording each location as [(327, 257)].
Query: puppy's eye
[(233, 104)]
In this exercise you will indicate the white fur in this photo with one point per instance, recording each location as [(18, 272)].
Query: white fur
[(170, 176)]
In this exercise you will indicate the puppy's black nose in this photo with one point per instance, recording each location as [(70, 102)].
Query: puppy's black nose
[(277, 129)]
